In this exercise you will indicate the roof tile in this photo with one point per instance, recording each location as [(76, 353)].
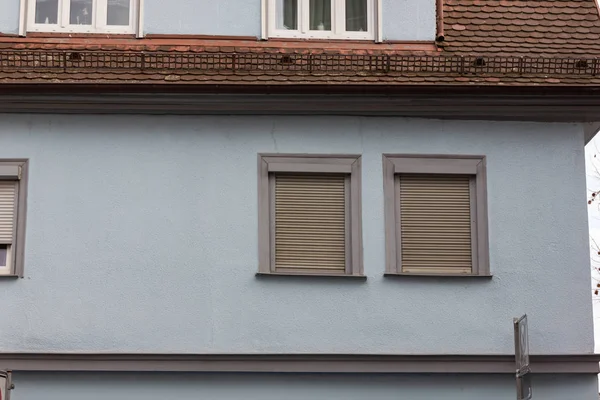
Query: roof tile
[(565, 28), (487, 42)]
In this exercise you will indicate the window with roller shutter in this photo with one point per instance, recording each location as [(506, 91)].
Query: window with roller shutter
[(309, 215), (13, 193), (436, 215)]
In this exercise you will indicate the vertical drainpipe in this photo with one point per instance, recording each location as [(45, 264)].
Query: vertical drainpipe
[(439, 37)]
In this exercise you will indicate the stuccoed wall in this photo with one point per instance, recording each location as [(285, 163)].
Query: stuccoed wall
[(402, 19), (142, 236), (203, 17), (409, 19), (9, 16)]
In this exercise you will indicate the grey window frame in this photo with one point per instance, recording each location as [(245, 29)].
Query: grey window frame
[(309, 163), (475, 165), (17, 170)]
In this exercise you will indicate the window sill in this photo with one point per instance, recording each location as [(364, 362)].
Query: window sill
[(76, 35), (9, 276), (309, 275), (354, 44), (404, 275)]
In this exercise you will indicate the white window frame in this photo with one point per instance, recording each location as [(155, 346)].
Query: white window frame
[(7, 269), (16, 170), (99, 15), (338, 23)]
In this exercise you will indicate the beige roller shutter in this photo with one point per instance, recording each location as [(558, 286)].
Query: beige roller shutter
[(310, 222), (8, 190), (435, 218)]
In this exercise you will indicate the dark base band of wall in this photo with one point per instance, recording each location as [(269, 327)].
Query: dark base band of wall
[(296, 363)]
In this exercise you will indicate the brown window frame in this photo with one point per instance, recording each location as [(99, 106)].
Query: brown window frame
[(309, 163), (17, 170), (474, 165)]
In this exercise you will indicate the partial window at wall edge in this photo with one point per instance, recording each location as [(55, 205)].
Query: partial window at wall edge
[(13, 204)]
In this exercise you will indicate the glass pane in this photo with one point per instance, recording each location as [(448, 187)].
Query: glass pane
[(320, 15), (46, 11), (287, 14), (356, 15), (81, 12), (3, 254), (118, 12)]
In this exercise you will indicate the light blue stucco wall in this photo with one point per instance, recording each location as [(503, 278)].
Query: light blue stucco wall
[(409, 19), (142, 236), (203, 17), (295, 387), (9, 16), (402, 19)]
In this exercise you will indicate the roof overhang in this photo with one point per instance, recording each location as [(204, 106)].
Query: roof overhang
[(552, 104)]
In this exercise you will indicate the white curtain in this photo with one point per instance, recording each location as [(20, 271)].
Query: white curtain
[(118, 12), (320, 15), (81, 12), (46, 11), (356, 15), (287, 14)]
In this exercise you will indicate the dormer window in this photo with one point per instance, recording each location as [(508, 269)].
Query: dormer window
[(82, 16), (322, 19)]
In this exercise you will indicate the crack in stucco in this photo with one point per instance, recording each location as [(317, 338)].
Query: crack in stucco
[(274, 138)]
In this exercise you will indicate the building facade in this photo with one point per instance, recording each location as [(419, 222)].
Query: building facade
[(294, 199)]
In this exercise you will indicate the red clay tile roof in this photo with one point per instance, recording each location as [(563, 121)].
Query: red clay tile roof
[(550, 28), (487, 42)]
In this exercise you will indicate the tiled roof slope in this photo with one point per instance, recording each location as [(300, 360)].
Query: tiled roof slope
[(487, 42), (543, 28)]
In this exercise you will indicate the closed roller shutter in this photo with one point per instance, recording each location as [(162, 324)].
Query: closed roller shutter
[(8, 190), (435, 218), (310, 223)]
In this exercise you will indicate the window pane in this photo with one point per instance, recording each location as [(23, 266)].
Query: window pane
[(287, 14), (3, 254), (118, 12), (46, 11), (320, 15), (356, 16), (81, 12)]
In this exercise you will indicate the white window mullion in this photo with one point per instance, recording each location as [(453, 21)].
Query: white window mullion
[(339, 17), (64, 13), (304, 16), (30, 12), (100, 10)]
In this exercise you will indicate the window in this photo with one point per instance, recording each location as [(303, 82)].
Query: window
[(82, 16), (435, 215), (13, 193), (322, 19), (309, 215)]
